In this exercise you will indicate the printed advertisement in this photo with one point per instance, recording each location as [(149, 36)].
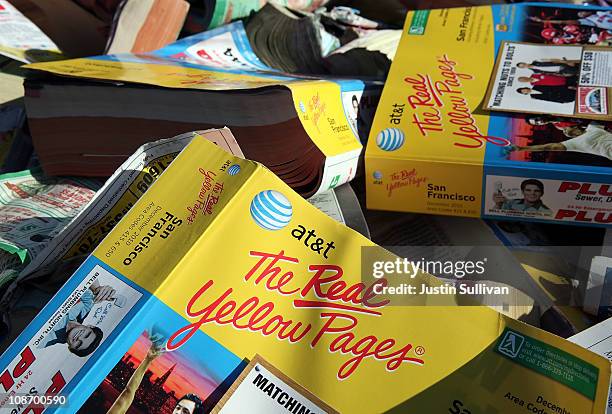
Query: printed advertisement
[(359, 108), (262, 388), (54, 354), (146, 377), (22, 40), (34, 209), (548, 199), (225, 48), (552, 79)]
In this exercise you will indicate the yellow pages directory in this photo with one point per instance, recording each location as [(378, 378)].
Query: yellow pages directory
[(435, 147), (219, 261), (222, 60)]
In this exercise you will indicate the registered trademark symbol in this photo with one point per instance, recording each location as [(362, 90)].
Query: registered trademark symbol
[(419, 350)]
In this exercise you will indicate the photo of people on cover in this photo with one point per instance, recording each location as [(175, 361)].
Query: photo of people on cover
[(70, 337), (523, 197), (548, 79), (359, 108), (82, 339), (555, 139), (542, 199), (530, 199), (148, 379), (544, 81), (566, 26), (88, 319), (552, 79)]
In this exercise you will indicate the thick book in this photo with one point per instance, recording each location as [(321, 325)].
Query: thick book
[(435, 147), (304, 129), (56, 251), (191, 284)]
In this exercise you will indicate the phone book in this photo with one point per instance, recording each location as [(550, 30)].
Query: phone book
[(498, 111), (305, 129), (193, 282)]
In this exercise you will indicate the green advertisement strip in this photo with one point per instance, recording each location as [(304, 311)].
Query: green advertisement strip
[(418, 23), (549, 361)]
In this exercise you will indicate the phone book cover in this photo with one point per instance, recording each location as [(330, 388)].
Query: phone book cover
[(498, 111), (219, 261)]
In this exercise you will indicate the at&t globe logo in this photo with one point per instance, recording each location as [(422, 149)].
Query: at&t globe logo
[(390, 139), (271, 210)]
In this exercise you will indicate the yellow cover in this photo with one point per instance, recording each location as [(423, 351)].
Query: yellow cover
[(429, 102), (407, 357), (237, 257), (434, 148)]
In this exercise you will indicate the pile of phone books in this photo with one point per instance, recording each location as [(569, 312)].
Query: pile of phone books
[(227, 265)]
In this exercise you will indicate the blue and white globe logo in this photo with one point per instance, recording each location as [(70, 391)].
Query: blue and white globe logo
[(271, 210), (302, 107), (390, 139), (377, 175), (233, 169)]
